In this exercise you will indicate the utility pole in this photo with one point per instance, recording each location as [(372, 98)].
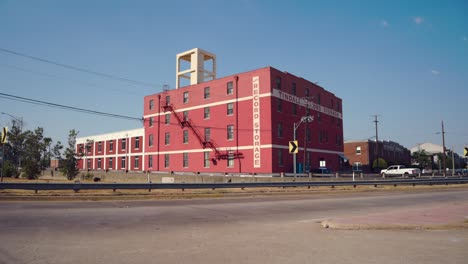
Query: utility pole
[(443, 149), (376, 141)]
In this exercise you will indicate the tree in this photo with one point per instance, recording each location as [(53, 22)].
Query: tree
[(422, 158), (69, 166), (379, 164), (47, 141), (15, 147), (33, 146)]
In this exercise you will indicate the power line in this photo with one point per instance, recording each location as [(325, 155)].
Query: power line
[(71, 108), (105, 75)]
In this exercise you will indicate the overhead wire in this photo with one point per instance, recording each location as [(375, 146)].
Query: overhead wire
[(75, 68), (71, 108)]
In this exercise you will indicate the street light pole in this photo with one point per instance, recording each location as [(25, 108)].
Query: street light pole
[(296, 126)]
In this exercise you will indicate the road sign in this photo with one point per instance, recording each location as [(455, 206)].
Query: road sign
[(293, 147), (465, 152), (4, 135)]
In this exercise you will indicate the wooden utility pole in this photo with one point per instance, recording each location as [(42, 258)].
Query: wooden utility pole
[(443, 149), (376, 141)]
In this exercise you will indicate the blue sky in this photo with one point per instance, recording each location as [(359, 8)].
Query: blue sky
[(406, 61)]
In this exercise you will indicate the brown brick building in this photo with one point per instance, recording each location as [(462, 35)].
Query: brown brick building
[(362, 153)]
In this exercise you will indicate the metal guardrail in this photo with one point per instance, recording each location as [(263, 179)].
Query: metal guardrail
[(77, 186)]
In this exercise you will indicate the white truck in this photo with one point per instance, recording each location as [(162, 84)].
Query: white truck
[(400, 170)]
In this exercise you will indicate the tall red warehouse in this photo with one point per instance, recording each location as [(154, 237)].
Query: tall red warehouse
[(243, 123)]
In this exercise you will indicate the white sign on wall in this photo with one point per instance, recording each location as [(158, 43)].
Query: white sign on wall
[(256, 121)]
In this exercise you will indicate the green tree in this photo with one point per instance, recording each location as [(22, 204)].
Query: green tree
[(33, 146), (69, 165), (379, 164), (422, 158), (15, 147)]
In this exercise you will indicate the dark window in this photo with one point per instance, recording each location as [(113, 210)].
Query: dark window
[(151, 120), (185, 136), (229, 88), (206, 157), (207, 134), (167, 138), (206, 113), (137, 163), (185, 160), (110, 163), (150, 140), (280, 158), (278, 83), (151, 104), (206, 93), (150, 161), (167, 119), (185, 97), (293, 88), (294, 109), (111, 146), (123, 163), (280, 130), (124, 144), (137, 142), (279, 106), (99, 147), (168, 100), (230, 132), (230, 109), (166, 161), (99, 163)]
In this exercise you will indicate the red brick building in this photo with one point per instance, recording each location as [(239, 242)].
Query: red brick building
[(362, 153), (239, 123)]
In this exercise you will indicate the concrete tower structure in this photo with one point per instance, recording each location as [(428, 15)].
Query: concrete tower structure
[(197, 72)]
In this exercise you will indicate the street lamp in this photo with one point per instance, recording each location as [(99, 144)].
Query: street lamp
[(19, 120), (296, 126)]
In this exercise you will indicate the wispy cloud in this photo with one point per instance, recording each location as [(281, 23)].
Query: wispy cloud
[(418, 20), (384, 23), (435, 72), (464, 38)]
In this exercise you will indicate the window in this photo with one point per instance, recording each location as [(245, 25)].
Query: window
[(166, 161), (320, 136), (185, 160), (168, 100), (137, 142), (230, 160), (150, 140), (357, 166), (278, 83), (280, 130), (99, 146), (151, 120), (206, 93), (279, 106), (332, 103), (206, 112), (137, 163), (230, 108), (319, 99), (80, 149), (151, 104), (229, 88), (308, 111), (230, 132), (185, 115), (206, 158), (319, 117), (150, 161), (293, 88), (308, 134), (167, 138), (88, 164), (358, 150), (185, 97), (294, 109), (338, 106), (167, 119), (280, 158), (307, 92), (207, 134), (111, 163), (111, 146), (124, 144), (185, 136), (122, 165), (99, 163)]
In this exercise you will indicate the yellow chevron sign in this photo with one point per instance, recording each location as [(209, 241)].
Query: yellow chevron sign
[(293, 147), (465, 152), (4, 135)]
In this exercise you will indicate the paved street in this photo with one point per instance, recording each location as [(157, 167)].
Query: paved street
[(283, 229)]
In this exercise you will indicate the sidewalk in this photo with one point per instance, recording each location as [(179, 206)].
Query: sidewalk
[(454, 215)]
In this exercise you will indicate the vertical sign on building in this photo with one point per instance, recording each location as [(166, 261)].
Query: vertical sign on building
[(256, 121)]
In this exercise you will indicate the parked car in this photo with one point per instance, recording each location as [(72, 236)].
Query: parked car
[(400, 170)]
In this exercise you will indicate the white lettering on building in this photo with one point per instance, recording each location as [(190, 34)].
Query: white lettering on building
[(256, 121), (306, 103)]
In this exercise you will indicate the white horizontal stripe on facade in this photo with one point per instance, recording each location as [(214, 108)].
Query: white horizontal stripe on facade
[(209, 105), (241, 148), (140, 132)]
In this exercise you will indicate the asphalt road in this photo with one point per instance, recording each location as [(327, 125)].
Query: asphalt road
[(282, 229)]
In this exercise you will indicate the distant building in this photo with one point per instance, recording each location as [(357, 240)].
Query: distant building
[(239, 123), (362, 153), (434, 151)]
